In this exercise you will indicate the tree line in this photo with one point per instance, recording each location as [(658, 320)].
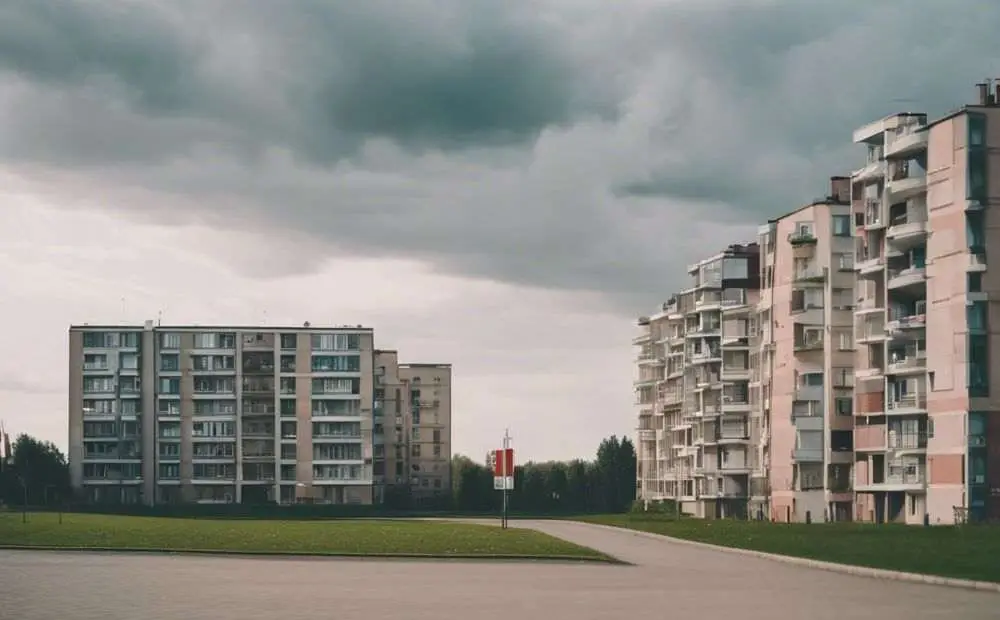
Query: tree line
[(36, 473), (604, 484)]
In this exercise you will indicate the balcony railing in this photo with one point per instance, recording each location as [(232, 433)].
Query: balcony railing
[(907, 441), (810, 274), (910, 401), (801, 237)]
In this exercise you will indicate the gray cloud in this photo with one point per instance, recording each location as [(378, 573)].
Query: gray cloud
[(572, 145)]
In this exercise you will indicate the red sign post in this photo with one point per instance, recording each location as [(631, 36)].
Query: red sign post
[(503, 473)]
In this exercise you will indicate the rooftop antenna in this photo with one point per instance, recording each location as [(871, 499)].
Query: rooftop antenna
[(159, 317)]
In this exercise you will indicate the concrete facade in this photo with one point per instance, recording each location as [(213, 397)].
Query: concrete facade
[(872, 340), (164, 414)]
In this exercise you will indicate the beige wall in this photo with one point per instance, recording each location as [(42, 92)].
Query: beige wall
[(75, 454), (303, 416), (434, 385)]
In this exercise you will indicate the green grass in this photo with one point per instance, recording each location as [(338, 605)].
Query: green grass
[(397, 538), (970, 552)]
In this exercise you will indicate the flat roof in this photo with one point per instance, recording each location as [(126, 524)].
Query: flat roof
[(223, 328)]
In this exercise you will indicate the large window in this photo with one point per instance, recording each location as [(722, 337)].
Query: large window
[(336, 363), (336, 386), (336, 342), (842, 225), (979, 379)]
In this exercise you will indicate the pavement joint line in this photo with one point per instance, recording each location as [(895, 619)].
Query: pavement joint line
[(847, 569)]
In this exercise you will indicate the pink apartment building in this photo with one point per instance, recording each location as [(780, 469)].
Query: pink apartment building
[(805, 359), (927, 431)]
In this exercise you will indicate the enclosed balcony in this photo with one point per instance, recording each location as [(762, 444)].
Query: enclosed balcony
[(873, 219), (908, 139), (870, 438), (708, 300), (907, 359), (808, 338), (908, 225), (907, 179), (870, 329), (907, 320), (810, 273), (910, 277), (907, 404)]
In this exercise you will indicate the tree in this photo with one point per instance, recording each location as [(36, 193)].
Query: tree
[(605, 484), (37, 471)]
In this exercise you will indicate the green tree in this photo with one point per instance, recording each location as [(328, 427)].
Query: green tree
[(37, 471)]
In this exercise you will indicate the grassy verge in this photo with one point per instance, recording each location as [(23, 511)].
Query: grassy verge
[(970, 552), (342, 537)]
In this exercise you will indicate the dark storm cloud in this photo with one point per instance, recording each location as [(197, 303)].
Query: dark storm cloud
[(572, 144)]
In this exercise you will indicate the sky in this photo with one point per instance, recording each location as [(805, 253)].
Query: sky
[(503, 186)]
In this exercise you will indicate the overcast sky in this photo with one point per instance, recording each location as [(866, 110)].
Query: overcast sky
[(499, 185)]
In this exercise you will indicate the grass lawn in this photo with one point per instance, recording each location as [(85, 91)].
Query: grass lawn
[(333, 537), (970, 552)]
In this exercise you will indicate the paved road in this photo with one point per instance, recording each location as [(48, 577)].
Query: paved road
[(669, 580)]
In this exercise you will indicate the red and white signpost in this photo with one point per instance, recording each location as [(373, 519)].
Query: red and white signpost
[(503, 473)]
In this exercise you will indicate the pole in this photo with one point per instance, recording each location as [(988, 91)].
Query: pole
[(504, 473)]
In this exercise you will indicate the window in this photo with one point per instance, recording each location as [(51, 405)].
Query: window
[(99, 407), (336, 386), (416, 450), (215, 407), (844, 338), (92, 385), (170, 386), (812, 379), (415, 434), (129, 361), (169, 471), (416, 417), (336, 407), (170, 341), (336, 342), (975, 231), (842, 225), (170, 362), (170, 429), (437, 436), (437, 449), (289, 341), (975, 281), (336, 363), (844, 405), (976, 316), (168, 407), (977, 129), (95, 361), (978, 366), (170, 450), (841, 441), (214, 341)]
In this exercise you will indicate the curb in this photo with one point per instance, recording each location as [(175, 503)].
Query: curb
[(847, 569), (321, 555)]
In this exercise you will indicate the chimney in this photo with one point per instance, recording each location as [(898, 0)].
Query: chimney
[(983, 89)]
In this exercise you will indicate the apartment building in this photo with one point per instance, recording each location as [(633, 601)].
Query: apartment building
[(926, 434), (695, 428), (163, 414), (805, 358)]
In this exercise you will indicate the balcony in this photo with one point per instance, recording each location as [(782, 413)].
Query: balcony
[(905, 322), (914, 361), (809, 342), (810, 274), (868, 305), (706, 357), (735, 373), (649, 359), (900, 478), (873, 214), (906, 231), (711, 330), (907, 405), (732, 404), (802, 237), (906, 141), (644, 336), (646, 434), (906, 441), (808, 455), (869, 265), (908, 277), (870, 330), (905, 185), (708, 302)]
